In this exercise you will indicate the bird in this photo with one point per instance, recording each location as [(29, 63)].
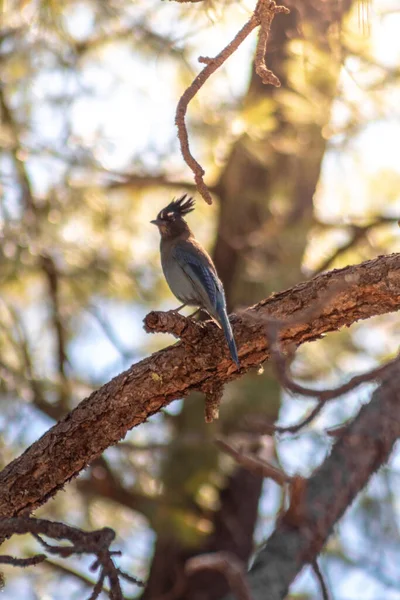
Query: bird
[(189, 270)]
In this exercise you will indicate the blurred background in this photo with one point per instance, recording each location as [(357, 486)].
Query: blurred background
[(304, 178)]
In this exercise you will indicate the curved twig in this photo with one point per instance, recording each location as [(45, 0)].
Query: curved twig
[(263, 17)]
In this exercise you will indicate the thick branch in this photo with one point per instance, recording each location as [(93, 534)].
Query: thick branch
[(201, 358), (299, 537)]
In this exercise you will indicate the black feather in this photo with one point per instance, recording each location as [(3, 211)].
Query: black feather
[(177, 208)]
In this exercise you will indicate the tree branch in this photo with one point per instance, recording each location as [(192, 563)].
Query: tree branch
[(362, 291), (263, 16), (364, 445), (81, 542)]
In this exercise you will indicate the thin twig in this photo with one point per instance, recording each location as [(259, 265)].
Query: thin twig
[(189, 94), (253, 463), (298, 426), (321, 581), (22, 562), (98, 588), (332, 394)]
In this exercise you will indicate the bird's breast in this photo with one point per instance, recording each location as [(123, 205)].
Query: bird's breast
[(180, 284)]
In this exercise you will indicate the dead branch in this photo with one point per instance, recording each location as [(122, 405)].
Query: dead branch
[(266, 11), (226, 563), (263, 16), (189, 94), (82, 542), (130, 398)]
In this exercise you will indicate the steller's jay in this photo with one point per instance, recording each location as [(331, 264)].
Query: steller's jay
[(188, 269)]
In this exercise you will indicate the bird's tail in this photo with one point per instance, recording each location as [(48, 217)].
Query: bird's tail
[(226, 326)]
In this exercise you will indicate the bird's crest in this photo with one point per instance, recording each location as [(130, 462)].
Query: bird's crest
[(177, 208)]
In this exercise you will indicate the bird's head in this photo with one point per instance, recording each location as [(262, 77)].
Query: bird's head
[(170, 221)]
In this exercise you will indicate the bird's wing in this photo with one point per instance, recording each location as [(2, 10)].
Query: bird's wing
[(205, 282)]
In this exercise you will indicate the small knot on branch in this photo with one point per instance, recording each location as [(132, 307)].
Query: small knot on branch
[(205, 60), (267, 9), (174, 323), (267, 76), (282, 9), (296, 514)]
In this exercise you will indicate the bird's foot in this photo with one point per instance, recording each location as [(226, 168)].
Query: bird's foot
[(196, 312), (176, 310)]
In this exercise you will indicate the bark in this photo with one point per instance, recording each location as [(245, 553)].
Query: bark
[(363, 447), (200, 360)]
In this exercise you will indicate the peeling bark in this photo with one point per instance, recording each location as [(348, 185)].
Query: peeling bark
[(340, 297)]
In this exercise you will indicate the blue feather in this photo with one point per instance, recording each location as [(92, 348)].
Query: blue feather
[(208, 289), (226, 326)]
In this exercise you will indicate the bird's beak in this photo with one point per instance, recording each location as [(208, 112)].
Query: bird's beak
[(157, 222)]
